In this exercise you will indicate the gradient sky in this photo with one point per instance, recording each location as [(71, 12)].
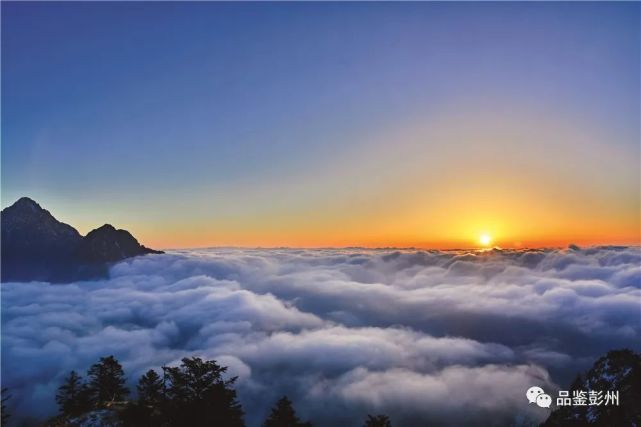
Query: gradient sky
[(327, 124)]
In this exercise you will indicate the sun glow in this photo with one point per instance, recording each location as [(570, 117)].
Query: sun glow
[(485, 239)]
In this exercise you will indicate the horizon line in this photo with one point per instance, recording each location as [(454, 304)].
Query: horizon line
[(412, 248)]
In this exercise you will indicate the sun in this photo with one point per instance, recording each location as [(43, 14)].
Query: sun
[(485, 239)]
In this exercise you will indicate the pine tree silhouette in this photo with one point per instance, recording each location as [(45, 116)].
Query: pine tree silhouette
[(284, 415), (377, 421), (150, 389), (106, 382), (197, 395), (148, 410), (72, 396)]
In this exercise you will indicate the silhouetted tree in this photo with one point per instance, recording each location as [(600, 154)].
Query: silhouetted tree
[(377, 421), (284, 415), (4, 413), (72, 396), (197, 395), (106, 381), (150, 389), (147, 411)]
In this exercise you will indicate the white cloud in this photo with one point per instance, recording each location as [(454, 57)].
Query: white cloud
[(442, 336)]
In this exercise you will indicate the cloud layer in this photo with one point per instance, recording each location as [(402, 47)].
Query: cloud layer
[(450, 338)]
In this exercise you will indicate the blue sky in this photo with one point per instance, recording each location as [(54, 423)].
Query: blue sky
[(251, 116)]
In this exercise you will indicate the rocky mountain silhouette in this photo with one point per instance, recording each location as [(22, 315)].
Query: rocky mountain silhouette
[(619, 370), (36, 246)]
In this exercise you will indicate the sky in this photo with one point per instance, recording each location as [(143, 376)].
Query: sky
[(327, 124)]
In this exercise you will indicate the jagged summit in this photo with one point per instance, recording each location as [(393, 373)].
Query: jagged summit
[(104, 227), (36, 246), (25, 212), (109, 244), (26, 202)]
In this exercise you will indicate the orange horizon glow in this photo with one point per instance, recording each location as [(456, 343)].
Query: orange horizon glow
[(437, 185), (464, 244)]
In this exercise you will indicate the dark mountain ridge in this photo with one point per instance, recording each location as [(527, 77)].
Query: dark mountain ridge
[(619, 370), (36, 246)]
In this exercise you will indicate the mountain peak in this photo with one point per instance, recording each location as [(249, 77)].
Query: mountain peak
[(26, 206), (104, 227), (106, 243), (36, 246), (27, 202)]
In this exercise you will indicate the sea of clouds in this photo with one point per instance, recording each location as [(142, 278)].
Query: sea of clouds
[(428, 337)]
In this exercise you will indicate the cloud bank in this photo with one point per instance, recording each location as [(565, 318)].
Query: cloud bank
[(449, 338)]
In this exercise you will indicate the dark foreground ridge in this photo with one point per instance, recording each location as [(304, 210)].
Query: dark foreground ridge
[(618, 370), (36, 246)]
